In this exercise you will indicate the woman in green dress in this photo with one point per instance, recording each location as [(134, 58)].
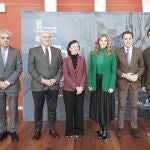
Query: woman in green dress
[(101, 82)]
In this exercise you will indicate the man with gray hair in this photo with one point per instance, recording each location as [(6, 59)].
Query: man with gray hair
[(10, 70), (45, 68)]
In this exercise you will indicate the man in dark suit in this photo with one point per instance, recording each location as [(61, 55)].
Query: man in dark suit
[(10, 69), (45, 68), (146, 75), (130, 67)]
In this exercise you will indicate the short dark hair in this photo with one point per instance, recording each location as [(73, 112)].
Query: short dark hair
[(69, 44), (148, 32), (126, 32)]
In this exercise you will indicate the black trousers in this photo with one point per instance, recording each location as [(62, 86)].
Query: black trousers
[(51, 97), (74, 112)]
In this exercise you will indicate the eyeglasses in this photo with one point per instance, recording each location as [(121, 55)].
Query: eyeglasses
[(5, 38)]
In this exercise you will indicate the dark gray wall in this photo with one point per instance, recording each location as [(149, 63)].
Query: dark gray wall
[(83, 27)]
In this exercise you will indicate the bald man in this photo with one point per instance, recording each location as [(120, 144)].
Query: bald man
[(45, 68)]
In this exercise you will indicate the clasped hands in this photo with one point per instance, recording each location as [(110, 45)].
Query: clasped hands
[(48, 82), (109, 90), (79, 90), (144, 89), (3, 85), (130, 76)]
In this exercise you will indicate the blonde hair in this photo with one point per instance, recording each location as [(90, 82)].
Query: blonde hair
[(108, 46), (6, 31)]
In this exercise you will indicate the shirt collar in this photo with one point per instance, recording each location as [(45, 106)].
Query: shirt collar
[(130, 49), (5, 48), (43, 47)]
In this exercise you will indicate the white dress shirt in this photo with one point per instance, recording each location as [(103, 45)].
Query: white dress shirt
[(5, 52), (6, 55)]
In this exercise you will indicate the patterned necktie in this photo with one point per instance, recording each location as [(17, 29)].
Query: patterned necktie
[(4, 56), (128, 56), (47, 54)]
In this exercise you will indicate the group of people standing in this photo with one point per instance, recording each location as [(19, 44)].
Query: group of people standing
[(46, 67)]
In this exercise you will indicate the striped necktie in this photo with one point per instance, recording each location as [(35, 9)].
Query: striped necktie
[(47, 54)]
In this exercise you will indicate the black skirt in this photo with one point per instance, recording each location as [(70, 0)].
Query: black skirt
[(102, 104)]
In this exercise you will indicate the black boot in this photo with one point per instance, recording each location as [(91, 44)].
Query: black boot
[(100, 133), (104, 133)]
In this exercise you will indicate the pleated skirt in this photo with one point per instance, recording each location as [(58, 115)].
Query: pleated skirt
[(102, 104)]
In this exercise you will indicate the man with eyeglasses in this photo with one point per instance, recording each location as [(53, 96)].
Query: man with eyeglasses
[(10, 70)]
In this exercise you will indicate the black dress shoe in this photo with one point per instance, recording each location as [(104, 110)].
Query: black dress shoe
[(37, 135), (54, 134), (119, 132), (3, 135), (14, 136), (135, 133)]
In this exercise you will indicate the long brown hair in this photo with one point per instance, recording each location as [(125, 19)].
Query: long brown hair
[(97, 46)]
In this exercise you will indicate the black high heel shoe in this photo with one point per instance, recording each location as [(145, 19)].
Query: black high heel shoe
[(100, 133), (104, 134)]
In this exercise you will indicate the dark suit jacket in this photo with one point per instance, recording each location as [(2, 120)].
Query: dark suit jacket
[(136, 66), (72, 77), (11, 70), (39, 68), (146, 75)]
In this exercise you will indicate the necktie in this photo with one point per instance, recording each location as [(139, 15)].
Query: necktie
[(128, 56), (4, 56), (47, 54)]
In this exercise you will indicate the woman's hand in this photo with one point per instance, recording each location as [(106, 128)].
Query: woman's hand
[(110, 90), (90, 88), (79, 90)]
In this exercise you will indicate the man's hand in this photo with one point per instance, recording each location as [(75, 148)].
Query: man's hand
[(127, 75), (3, 85), (130, 76), (0, 83), (49, 82), (45, 82), (144, 89), (52, 81), (134, 77)]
